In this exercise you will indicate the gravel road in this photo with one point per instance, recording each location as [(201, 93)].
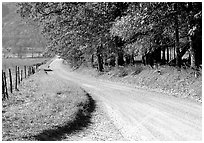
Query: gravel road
[(138, 114)]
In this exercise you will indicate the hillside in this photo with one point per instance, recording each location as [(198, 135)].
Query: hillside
[(17, 35)]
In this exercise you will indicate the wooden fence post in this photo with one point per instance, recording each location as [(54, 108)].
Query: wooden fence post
[(21, 75), (19, 81), (33, 68), (16, 83), (29, 71), (25, 70), (5, 85), (10, 76)]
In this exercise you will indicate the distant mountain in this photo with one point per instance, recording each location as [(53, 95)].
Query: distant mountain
[(17, 34), (5, 10)]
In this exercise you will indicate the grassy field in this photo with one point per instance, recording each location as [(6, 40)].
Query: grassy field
[(12, 62), (45, 108)]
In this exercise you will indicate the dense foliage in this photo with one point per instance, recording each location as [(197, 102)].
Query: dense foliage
[(115, 33)]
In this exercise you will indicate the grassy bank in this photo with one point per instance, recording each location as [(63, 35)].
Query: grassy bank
[(45, 108), (180, 83)]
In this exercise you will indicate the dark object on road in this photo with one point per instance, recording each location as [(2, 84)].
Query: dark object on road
[(47, 70)]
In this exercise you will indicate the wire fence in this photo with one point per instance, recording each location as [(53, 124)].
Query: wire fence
[(11, 78)]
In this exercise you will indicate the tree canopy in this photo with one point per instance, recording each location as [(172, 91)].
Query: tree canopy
[(78, 31)]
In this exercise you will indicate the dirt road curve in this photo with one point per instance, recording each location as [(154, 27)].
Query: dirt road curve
[(141, 114)]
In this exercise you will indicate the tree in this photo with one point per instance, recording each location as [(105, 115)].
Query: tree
[(83, 23), (193, 11), (161, 24), (78, 31)]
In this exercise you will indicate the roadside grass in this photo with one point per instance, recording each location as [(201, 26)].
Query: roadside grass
[(45, 108), (180, 83)]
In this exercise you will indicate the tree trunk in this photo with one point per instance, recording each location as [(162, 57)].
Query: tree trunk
[(105, 59), (120, 58), (157, 55), (119, 52), (100, 63), (92, 60), (112, 60), (100, 60), (132, 59), (127, 59), (144, 59), (167, 54), (192, 53), (163, 55), (178, 57), (150, 59), (147, 59), (116, 60), (192, 50)]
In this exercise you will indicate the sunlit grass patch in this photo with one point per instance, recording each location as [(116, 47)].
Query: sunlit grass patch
[(44, 104)]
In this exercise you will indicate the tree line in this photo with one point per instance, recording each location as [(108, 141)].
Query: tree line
[(114, 33)]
